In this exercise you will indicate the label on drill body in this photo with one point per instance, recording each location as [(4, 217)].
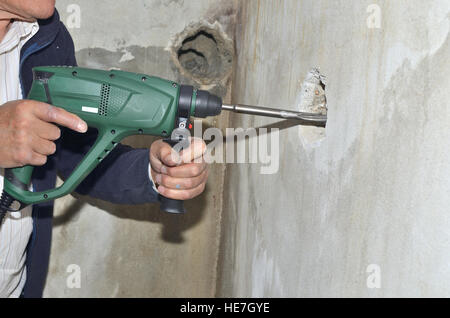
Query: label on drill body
[(86, 109)]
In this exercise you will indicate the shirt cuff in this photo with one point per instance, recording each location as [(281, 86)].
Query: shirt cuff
[(151, 178)]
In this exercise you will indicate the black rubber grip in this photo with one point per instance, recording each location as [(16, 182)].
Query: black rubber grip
[(172, 206)]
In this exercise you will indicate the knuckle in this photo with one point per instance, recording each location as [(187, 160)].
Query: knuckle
[(21, 123), (196, 170), (155, 148), (164, 180), (57, 133), (167, 193), (51, 112), (40, 161), (169, 171), (20, 137), (16, 158), (192, 170), (190, 183), (22, 107), (156, 166), (21, 156), (52, 148)]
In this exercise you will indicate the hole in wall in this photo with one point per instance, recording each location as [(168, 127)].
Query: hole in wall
[(204, 53), (312, 99)]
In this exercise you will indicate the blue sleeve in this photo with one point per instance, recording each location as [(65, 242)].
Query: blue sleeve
[(122, 177)]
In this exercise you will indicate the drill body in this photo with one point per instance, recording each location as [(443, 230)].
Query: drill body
[(118, 104)]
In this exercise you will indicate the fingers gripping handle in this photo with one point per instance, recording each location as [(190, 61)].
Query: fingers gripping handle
[(170, 205)]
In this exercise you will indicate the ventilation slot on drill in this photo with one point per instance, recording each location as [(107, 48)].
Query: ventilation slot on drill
[(104, 101)]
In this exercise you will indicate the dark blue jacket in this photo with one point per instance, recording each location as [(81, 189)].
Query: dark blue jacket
[(121, 178)]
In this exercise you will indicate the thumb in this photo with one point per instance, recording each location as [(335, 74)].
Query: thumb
[(195, 151), (168, 156), (161, 154)]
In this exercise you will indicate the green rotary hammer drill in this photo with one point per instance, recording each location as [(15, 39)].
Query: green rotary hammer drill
[(120, 104)]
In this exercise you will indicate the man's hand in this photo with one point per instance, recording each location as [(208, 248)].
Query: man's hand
[(179, 176), (27, 134)]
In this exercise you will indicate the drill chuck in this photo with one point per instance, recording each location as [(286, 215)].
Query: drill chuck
[(197, 103), (207, 105)]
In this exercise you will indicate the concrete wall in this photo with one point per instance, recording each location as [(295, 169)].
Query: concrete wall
[(376, 189), (136, 251), (373, 191)]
